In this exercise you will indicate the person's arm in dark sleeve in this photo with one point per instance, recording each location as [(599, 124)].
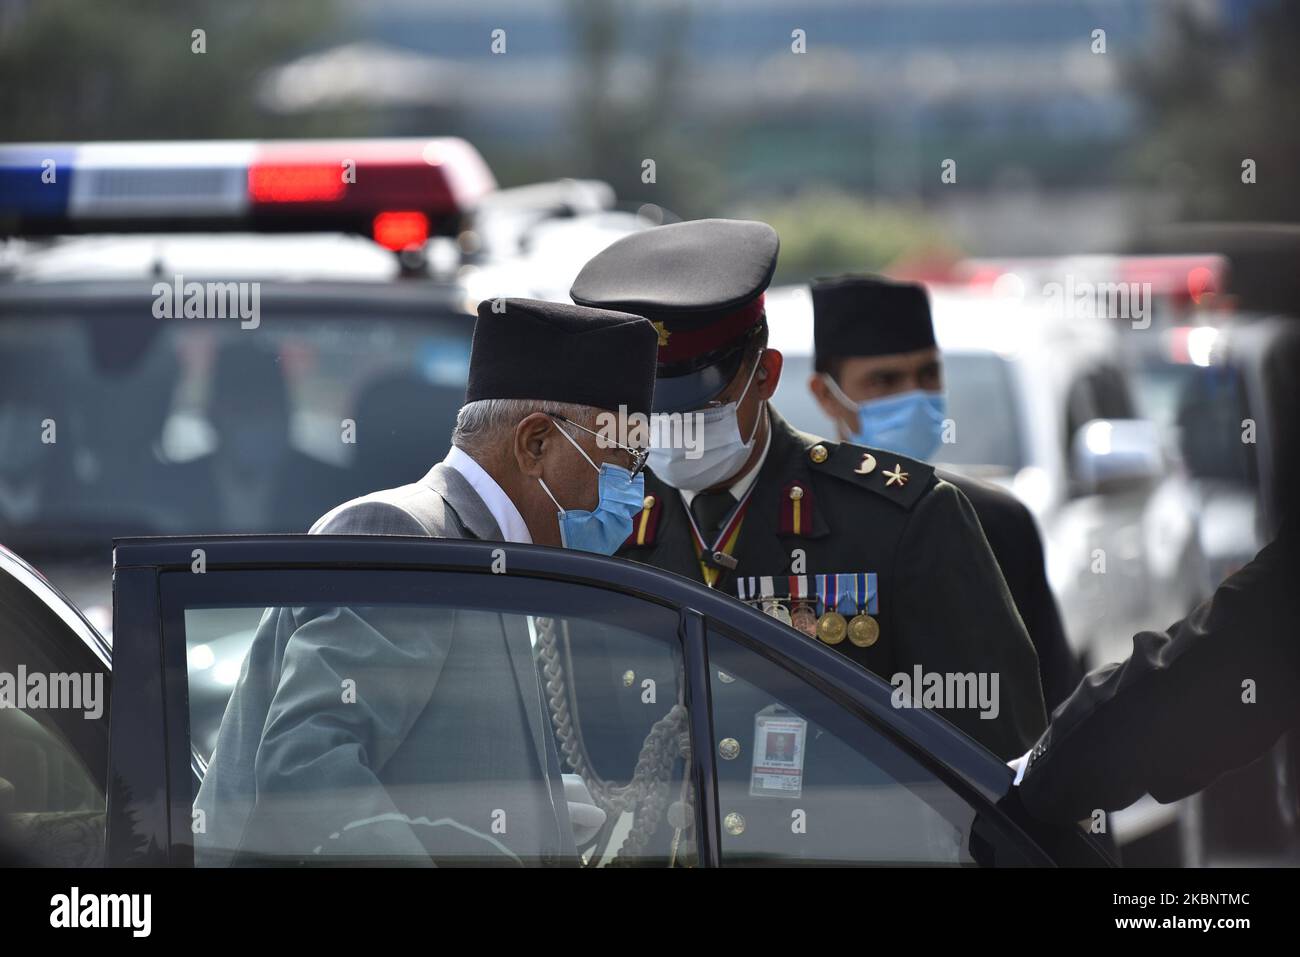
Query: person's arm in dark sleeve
[(1209, 695), (955, 615)]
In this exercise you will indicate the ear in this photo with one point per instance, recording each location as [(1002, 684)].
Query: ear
[(833, 408), (769, 372), (832, 405), (531, 435)]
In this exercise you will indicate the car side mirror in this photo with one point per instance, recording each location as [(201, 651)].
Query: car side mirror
[(1111, 454)]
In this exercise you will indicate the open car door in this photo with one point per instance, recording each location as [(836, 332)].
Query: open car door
[(372, 700)]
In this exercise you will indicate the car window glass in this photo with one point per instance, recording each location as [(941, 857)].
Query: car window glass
[(1211, 405), (228, 431), (801, 781), (474, 722), (51, 807), (1080, 407), (981, 397), (1111, 396)]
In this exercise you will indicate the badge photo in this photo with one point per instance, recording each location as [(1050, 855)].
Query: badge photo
[(777, 764)]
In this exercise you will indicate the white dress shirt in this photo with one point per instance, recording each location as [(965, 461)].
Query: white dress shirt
[(497, 501)]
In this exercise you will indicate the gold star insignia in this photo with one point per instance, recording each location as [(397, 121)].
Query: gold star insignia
[(663, 333), (896, 477)]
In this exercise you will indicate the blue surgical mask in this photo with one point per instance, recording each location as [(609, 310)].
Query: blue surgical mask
[(910, 423), (605, 528)]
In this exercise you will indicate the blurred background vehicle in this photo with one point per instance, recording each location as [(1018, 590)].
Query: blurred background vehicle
[(1227, 392), (1224, 380), (343, 375)]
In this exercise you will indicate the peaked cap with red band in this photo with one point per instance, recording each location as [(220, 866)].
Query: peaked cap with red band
[(701, 283)]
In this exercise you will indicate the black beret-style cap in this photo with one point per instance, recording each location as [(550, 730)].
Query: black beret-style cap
[(701, 283), (555, 352), (868, 316)]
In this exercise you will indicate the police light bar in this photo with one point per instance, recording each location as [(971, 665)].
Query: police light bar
[(397, 191), (1191, 278), (1194, 278)]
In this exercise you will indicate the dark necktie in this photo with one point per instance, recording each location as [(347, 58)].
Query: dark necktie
[(710, 509)]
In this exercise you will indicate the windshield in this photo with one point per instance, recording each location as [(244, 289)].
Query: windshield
[(1204, 408), (121, 424), (982, 404), (981, 400)]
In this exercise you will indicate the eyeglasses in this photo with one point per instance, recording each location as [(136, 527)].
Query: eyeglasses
[(638, 456)]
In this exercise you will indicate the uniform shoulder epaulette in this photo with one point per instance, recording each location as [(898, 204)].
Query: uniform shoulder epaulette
[(893, 476), (645, 524)]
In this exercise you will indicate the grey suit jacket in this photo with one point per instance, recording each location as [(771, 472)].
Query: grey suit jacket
[(441, 505), (440, 753)]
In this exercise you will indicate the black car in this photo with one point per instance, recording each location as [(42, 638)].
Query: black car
[(692, 729)]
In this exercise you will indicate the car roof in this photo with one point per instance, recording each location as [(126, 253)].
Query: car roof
[(225, 256), (415, 298)]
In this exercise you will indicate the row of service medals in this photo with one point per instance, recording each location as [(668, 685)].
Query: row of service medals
[(820, 606)]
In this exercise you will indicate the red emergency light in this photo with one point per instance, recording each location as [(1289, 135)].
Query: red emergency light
[(1194, 277), (400, 230), (295, 183)]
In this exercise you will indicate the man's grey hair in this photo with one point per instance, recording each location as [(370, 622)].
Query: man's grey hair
[(489, 423)]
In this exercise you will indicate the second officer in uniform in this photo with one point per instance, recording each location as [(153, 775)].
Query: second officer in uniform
[(866, 549), (879, 376)]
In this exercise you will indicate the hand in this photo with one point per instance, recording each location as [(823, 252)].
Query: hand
[(1018, 765), (587, 819)]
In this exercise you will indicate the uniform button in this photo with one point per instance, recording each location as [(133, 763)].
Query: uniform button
[(729, 749), (796, 493), (649, 502), (734, 823), (628, 678), (818, 454)]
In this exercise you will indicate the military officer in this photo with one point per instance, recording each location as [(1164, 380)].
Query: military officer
[(878, 375), (866, 549)]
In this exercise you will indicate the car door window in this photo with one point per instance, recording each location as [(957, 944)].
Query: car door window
[(53, 741), (1210, 407), (1111, 395), (418, 717), (1100, 393), (803, 781)]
